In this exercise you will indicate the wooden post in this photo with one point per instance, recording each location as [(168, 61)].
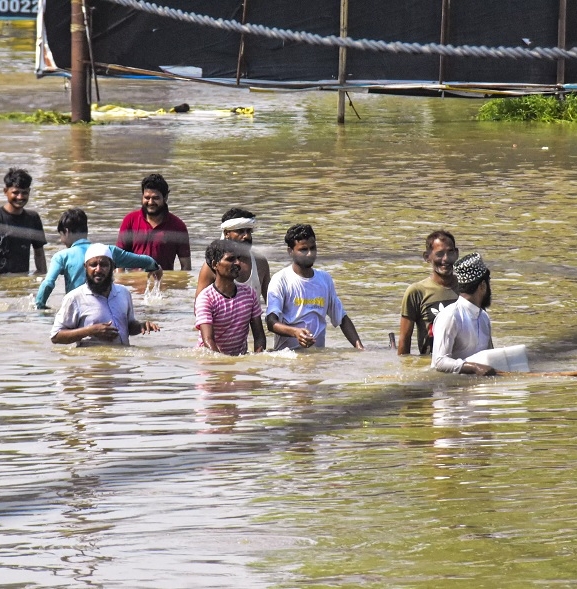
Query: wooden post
[(445, 9), (343, 62), (241, 45), (79, 85), (561, 40)]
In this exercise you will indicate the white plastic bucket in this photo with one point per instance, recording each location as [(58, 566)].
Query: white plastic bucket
[(508, 359)]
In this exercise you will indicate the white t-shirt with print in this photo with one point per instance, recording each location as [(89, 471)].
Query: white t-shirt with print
[(303, 302)]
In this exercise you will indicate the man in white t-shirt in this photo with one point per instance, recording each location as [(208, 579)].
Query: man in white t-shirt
[(300, 298)]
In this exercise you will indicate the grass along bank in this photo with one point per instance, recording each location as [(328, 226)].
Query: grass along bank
[(536, 107)]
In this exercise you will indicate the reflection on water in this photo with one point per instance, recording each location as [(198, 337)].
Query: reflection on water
[(161, 465)]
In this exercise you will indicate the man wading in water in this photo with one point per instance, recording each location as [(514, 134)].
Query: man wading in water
[(98, 312), (238, 225)]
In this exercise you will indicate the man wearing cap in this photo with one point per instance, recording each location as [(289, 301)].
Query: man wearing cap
[(424, 299), (98, 312), (464, 328), (238, 225)]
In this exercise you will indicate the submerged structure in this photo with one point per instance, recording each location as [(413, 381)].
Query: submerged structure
[(126, 40)]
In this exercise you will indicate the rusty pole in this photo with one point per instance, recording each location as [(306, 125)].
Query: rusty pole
[(79, 101)]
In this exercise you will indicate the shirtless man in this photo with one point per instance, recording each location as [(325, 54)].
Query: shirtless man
[(423, 300), (238, 225)]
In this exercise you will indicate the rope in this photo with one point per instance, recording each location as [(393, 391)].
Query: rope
[(360, 44)]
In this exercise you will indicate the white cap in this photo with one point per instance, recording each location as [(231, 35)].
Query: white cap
[(96, 250)]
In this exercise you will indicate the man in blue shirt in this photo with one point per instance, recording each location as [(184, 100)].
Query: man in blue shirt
[(73, 230)]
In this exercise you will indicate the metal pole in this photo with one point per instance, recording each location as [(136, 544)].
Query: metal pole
[(343, 62), (80, 104), (443, 38), (561, 40)]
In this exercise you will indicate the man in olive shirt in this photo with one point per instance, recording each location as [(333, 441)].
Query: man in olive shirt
[(423, 300)]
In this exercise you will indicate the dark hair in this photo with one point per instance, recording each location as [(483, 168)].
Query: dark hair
[(471, 287), (75, 220), (298, 232), (155, 182), (216, 250), (237, 214), (441, 235), (18, 178)]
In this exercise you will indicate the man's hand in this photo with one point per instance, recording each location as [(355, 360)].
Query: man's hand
[(478, 369), (156, 274), (105, 331), (304, 337), (148, 326)]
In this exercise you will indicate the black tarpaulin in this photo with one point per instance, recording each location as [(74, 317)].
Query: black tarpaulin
[(137, 39)]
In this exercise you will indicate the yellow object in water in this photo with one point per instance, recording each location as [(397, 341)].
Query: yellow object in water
[(109, 112)]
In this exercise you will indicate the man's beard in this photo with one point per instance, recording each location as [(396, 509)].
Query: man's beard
[(486, 302), (162, 210), (99, 287)]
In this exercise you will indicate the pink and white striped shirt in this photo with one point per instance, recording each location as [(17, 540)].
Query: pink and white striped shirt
[(230, 318)]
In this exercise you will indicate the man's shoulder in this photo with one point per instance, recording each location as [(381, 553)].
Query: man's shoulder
[(246, 291), (25, 218), (259, 257), (282, 275), (322, 275), (119, 289), (207, 295), (261, 263), (428, 286), (176, 221), (450, 310), (425, 283), (31, 214), (62, 256), (76, 293), (132, 215)]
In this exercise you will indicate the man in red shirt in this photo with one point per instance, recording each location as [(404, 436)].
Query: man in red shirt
[(154, 231)]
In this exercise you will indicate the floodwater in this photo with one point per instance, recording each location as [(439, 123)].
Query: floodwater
[(159, 466)]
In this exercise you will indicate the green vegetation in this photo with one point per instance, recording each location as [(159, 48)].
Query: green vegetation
[(40, 117), (546, 109)]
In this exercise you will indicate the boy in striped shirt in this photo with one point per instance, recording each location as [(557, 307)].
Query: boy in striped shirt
[(225, 310)]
